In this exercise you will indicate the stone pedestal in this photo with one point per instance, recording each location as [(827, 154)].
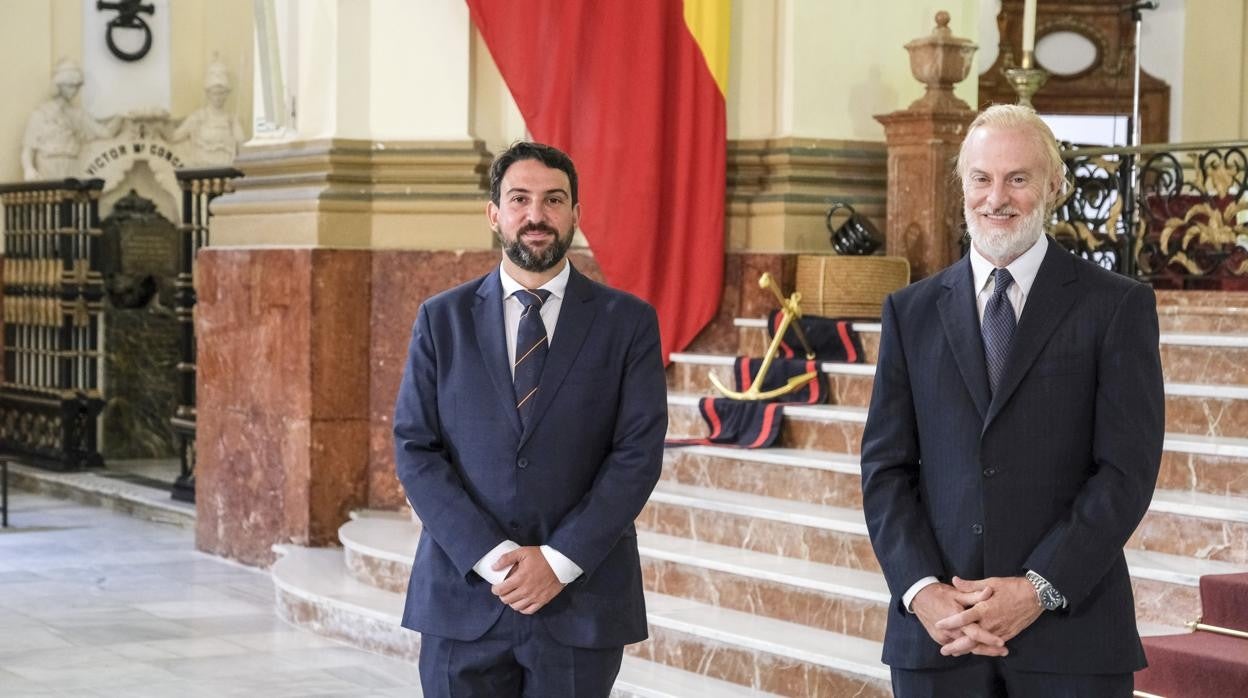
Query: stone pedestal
[(924, 197)]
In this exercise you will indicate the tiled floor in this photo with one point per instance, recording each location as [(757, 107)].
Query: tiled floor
[(96, 603)]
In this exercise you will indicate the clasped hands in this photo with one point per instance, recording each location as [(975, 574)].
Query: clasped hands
[(530, 584), (976, 616)]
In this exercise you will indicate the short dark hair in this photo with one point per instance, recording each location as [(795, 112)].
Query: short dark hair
[(549, 156)]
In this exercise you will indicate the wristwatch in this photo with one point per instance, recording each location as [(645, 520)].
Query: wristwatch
[(1049, 597)]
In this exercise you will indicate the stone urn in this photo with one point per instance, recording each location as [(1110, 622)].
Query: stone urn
[(940, 60)]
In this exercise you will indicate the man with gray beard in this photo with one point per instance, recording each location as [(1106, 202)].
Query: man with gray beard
[(1012, 446)]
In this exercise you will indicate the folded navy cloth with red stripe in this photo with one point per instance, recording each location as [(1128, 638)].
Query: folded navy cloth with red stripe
[(831, 339), (743, 423), (815, 392)]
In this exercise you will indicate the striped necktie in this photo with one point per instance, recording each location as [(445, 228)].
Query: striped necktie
[(998, 326), (531, 348)]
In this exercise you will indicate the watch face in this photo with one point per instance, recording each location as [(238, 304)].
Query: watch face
[(1050, 599)]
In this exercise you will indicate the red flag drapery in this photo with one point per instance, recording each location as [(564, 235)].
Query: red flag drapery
[(624, 88)]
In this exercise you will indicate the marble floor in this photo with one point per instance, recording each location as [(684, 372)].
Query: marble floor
[(96, 603)]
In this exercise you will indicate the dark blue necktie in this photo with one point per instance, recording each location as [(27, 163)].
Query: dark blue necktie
[(531, 346), (998, 326)]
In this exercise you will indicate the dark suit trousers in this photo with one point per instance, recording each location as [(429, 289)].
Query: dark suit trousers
[(988, 677), (516, 658)]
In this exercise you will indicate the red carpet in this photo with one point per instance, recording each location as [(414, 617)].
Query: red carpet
[(1203, 664)]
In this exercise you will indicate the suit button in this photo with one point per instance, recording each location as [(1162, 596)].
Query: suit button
[(989, 472), (977, 529), (513, 525), (523, 463)]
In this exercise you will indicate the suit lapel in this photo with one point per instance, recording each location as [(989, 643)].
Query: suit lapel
[(576, 314), (1047, 303), (960, 319), (487, 316)]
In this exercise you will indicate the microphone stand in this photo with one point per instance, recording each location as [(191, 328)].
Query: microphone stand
[(1129, 187)]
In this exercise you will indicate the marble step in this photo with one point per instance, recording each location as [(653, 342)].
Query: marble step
[(761, 653), (1205, 357), (834, 428), (1202, 319), (1195, 525), (1212, 463), (1187, 357), (1191, 408), (315, 590), (800, 475), (827, 597), (753, 338), (848, 384), (1208, 464)]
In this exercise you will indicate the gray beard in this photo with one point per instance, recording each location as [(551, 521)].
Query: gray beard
[(1007, 245)]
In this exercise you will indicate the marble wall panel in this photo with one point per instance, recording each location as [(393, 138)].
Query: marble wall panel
[(282, 397), (252, 325), (1206, 539), (758, 670), (1200, 473), (840, 614), (780, 481), (250, 466), (761, 535)]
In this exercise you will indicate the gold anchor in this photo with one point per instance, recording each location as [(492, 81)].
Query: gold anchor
[(790, 310)]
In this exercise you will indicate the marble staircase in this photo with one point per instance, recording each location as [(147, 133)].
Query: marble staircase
[(759, 573)]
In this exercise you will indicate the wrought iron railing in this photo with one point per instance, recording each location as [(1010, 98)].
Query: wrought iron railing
[(199, 188), (1185, 199), (50, 399)]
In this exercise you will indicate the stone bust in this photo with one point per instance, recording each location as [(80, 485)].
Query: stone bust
[(58, 128), (214, 132)]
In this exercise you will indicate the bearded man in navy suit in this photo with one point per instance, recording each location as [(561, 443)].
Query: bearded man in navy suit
[(529, 434), (1012, 446)]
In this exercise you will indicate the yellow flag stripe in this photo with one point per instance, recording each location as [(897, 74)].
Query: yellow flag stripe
[(710, 22)]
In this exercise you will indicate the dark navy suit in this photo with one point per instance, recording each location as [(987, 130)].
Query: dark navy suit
[(1051, 473), (574, 479)]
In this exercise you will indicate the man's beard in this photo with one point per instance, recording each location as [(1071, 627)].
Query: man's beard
[(533, 260), (1005, 244)]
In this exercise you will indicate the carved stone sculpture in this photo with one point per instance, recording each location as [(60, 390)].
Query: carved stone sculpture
[(214, 133), (58, 128)]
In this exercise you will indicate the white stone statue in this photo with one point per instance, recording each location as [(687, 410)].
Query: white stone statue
[(214, 133), (58, 128)]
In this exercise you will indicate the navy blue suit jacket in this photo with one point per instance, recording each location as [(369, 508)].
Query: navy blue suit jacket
[(575, 479), (1052, 473)]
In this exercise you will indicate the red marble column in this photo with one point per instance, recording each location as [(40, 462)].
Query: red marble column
[(924, 197), (283, 395)]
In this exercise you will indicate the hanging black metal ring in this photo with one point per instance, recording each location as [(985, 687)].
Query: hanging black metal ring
[(127, 18)]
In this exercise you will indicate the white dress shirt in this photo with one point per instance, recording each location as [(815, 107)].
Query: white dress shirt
[(564, 569), (1023, 270)]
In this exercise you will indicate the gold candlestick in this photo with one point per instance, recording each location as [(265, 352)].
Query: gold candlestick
[(1028, 79)]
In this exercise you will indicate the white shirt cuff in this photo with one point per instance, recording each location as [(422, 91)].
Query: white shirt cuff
[(484, 565), (913, 591), (564, 569)]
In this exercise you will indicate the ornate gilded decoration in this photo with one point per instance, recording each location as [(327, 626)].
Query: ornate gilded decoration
[(1189, 197), (790, 311)]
